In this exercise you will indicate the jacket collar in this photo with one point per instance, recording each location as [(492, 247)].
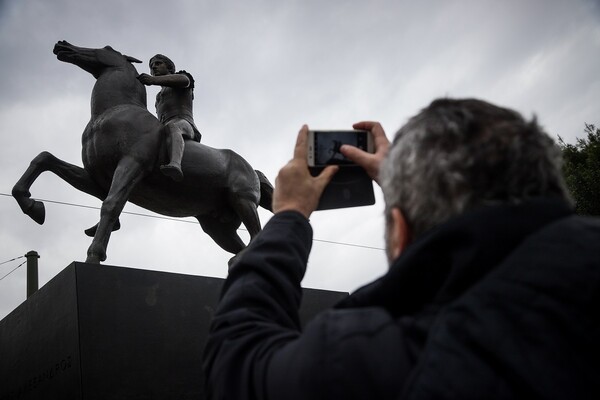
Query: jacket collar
[(449, 259)]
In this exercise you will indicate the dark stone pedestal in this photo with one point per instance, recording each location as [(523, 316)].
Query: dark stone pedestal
[(103, 332)]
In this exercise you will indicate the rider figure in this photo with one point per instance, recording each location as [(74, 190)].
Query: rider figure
[(174, 110)]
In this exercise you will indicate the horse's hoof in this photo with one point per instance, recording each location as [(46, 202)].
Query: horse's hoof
[(95, 256), (233, 260), (37, 212), (35, 209), (231, 263), (93, 259), (91, 232)]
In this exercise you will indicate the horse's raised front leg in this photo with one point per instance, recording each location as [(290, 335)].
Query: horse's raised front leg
[(128, 174), (45, 161)]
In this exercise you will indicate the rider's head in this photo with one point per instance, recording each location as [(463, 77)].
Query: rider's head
[(169, 64)]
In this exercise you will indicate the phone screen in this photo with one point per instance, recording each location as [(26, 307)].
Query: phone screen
[(327, 146)]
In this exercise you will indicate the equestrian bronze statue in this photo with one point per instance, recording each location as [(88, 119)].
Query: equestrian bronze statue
[(122, 149)]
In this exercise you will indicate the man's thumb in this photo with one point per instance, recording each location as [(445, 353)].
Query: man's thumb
[(327, 174)]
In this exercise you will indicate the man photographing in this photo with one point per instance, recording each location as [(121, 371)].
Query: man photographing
[(493, 282)]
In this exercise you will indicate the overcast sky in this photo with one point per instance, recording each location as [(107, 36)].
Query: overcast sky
[(262, 69)]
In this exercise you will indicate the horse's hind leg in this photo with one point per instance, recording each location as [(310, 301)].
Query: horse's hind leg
[(246, 210), (45, 161), (223, 233)]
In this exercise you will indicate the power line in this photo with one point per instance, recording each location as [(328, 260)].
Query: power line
[(349, 244), (186, 221), (63, 203), (12, 259), (13, 270)]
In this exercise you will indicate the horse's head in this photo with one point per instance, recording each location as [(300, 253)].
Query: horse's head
[(93, 61), (116, 81)]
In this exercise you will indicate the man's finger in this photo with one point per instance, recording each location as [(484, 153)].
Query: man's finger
[(365, 125), (355, 154), (326, 175), (301, 146), (375, 128), (379, 137)]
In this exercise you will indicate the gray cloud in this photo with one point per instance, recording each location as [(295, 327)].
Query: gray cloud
[(262, 69)]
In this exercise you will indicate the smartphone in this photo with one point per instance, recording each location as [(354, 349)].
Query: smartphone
[(349, 187), (324, 146)]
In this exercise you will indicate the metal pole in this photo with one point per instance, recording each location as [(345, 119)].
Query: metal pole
[(32, 272)]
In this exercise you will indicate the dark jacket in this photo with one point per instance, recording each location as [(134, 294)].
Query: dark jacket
[(502, 302)]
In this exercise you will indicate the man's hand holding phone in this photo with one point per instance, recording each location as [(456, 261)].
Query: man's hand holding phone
[(370, 162), (295, 188)]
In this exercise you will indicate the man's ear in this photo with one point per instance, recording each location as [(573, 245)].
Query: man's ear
[(399, 233)]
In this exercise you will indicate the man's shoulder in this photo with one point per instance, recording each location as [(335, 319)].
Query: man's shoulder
[(578, 231), (362, 321), (541, 297), (190, 77)]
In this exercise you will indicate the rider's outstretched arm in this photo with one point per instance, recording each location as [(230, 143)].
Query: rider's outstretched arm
[(171, 80)]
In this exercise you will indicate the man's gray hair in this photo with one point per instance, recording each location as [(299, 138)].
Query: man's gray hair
[(170, 64), (457, 155)]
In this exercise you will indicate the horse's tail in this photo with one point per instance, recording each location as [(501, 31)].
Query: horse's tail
[(266, 191)]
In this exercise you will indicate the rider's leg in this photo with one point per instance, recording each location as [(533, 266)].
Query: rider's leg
[(175, 131), (175, 145)]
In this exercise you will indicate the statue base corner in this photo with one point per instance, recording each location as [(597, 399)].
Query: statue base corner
[(105, 332)]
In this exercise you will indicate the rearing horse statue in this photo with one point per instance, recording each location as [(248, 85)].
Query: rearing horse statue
[(121, 153)]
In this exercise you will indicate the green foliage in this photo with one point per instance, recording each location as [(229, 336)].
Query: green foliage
[(582, 170)]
